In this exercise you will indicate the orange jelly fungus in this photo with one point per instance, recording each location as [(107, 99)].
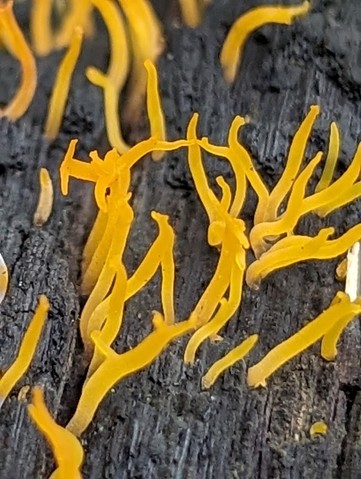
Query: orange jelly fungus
[(111, 323), (240, 162), (79, 13), (13, 38), (67, 450), (116, 367), (108, 317), (45, 202), (191, 12), (328, 195), (297, 248), (160, 253), (228, 234), (62, 84), (40, 27), (304, 338), (228, 360), (97, 311), (318, 428), (331, 160), (26, 351), (285, 223), (114, 167), (268, 211), (342, 191), (99, 276), (4, 279), (247, 24), (154, 107), (147, 44), (113, 81), (111, 174), (331, 338)]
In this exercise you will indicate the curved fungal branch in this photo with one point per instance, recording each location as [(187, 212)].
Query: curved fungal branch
[(67, 450), (247, 24), (62, 84), (14, 40), (235, 355), (303, 339), (116, 367), (26, 351)]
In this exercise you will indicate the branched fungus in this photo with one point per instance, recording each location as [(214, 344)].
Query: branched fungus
[(116, 367), (303, 339), (67, 450), (26, 351)]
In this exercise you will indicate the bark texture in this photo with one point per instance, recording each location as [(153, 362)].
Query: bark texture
[(159, 423)]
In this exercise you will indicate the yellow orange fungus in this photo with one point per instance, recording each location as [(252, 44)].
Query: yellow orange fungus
[(291, 250), (78, 14), (339, 193), (226, 197), (147, 44), (4, 279), (249, 22), (208, 198), (154, 107), (45, 202), (288, 220), (191, 12), (113, 168), (228, 360), (26, 351), (318, 429), (116, 367), (116, 232), (114, 315), (228, 234), (304, 338), (269, 211), (14, 40), (62, 84), (94, 239), (331, 160), (75, 168), (226, 309), (341, 270), (67, 450), (352, 193), (99, 275), (40, 27), (219, 284), (241, 164), (330, 339), (160, 253), (113, 81)]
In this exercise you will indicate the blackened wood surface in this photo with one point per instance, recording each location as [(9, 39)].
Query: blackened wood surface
[(158, 423)]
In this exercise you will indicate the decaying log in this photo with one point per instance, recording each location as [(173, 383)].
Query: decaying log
[(159, 423)]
